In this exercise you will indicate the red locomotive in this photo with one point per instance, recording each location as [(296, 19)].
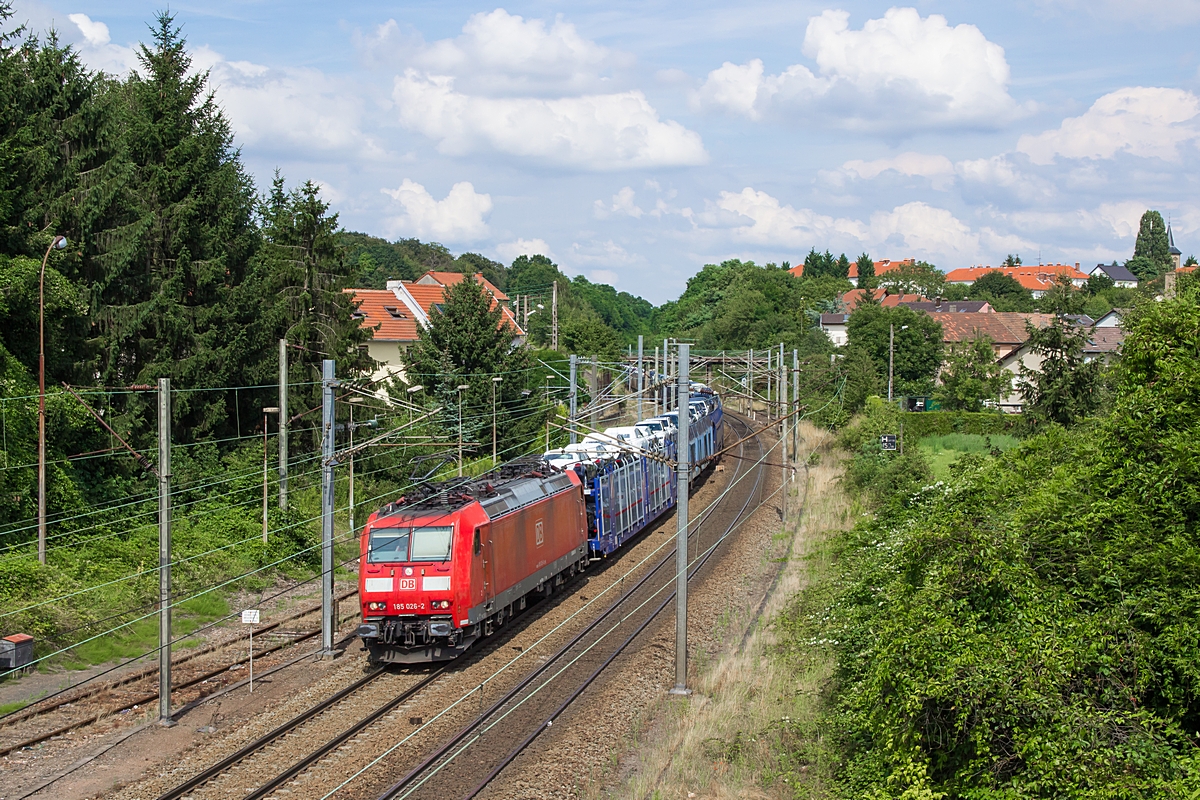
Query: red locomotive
[(442, 568)]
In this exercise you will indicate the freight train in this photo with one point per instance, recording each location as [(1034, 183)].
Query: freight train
[(449, 563)]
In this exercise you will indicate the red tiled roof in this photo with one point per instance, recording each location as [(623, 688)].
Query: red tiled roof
[(1104, 340), (852, 298), (883, 266), (451, 278), (1036, 278), (373, 304), (1003, 327)]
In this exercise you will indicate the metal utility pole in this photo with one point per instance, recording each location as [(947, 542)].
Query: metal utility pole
[(750, 382), (783, 439), (283, 425), (594, 390), (164, 551), (796, 403), (459, 389), (328, 623), (641, 380), (495, 381), (682, 469), (891, 356), (666, 379), (571, 395), (657, 377), (58, 243), (266, 411), (554, 316)]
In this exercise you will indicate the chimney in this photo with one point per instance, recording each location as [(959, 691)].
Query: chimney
[(1076, 266)]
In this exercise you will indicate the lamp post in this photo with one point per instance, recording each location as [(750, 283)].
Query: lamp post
[(459, 389), (350, 500), (411, 391), (267, 410), (892, 354), (495, 382), (58, 243)]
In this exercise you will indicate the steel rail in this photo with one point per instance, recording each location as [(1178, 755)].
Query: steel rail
[(261, 742), (35, 709), (447, 746), (149, 697), (546, 723)]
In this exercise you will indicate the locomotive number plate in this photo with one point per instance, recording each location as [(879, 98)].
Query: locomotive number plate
[(408, 584), (409, 606)]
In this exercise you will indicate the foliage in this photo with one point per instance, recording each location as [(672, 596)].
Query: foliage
[(921, 278), (1003, 292), (467, 344), (919, 425), (917, 351), (1064, 388), (1029, 628), (971, 375), (1012, 260), (1098, 283), (739, 305), (825, 265), (1151, 251)]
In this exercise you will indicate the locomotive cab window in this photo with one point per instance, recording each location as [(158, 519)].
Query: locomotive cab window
[(387, 545), (431, 543), (478, 543)]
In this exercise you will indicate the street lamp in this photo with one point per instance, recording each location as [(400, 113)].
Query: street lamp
[(353, 402), (58, 243), (892, 353), (495, 382), (411, 391), (459, 389), (266, 411)]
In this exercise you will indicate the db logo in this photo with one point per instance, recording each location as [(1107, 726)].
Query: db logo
[(408, 584), (539, 534)]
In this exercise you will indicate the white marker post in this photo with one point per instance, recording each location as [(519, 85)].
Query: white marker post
[(250, 617)]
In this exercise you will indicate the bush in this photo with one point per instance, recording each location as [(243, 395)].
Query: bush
[(1031, 627)]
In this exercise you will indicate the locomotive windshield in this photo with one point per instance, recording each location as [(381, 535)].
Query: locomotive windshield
[(391, 545)]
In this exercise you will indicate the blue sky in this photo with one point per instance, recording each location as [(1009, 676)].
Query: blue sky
[(635, 142)]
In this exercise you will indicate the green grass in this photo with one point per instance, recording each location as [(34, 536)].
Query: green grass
[(8, 708), (943, 450)]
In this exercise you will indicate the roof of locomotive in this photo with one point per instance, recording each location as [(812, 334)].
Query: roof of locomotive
[(506, 488)]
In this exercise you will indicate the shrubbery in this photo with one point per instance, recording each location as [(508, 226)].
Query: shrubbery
[(1031, 628)]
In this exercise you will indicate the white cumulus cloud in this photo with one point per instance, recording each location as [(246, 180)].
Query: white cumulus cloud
[(1149, 122), (902, 71), (510, 251), (914, 229), (623, 202), (594, 132), (458, 217), (913, 164), (502, 52), (97, 49)]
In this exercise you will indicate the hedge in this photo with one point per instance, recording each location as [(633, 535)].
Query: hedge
[(918, 424)]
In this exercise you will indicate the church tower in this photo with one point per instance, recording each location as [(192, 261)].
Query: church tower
[(1172, 249)]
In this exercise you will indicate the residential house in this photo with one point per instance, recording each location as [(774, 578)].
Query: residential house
[(1112, 319), (941, 306), (1037, 279), (852, 298), (395, 313), (1008, 333), (1123, 278), (835, 327)]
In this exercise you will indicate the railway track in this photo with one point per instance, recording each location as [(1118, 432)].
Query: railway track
[(353, 711), (481, 750), (131, 702)]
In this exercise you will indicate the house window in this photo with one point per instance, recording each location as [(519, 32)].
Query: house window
[(395, 312)]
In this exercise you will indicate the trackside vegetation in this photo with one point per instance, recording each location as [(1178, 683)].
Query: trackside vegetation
[(1029, 626)]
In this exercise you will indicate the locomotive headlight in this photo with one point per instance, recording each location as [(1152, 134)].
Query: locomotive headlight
[(376, 606)]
